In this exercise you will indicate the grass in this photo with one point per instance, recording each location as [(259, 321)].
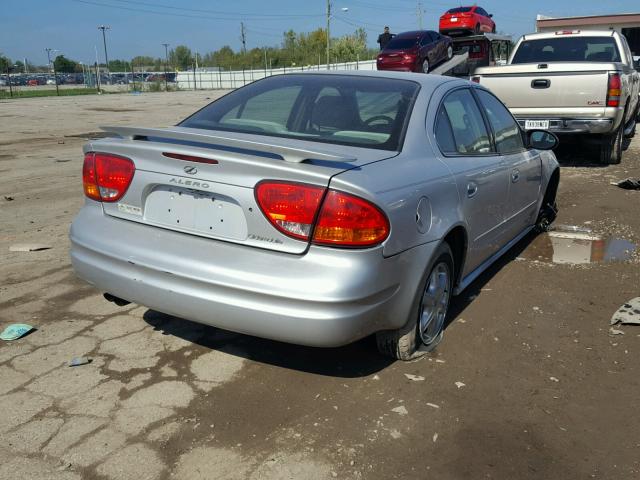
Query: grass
[(4, 94)]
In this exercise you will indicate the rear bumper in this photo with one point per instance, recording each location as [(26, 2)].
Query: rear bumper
[(326, 297), (575, 125), (396, 67)]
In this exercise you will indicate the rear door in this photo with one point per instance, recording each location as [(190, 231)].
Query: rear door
[(481, 175), (524, 165)]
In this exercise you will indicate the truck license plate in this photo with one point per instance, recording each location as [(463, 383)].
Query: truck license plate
[(454, 19), (533, 124)]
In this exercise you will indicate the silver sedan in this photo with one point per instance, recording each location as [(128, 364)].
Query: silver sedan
[(315, 208)]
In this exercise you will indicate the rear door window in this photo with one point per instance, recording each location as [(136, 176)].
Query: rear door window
[(469, 131), (507, 132)]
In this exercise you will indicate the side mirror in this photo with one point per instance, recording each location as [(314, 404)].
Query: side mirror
[(542, 140), (491, 15)]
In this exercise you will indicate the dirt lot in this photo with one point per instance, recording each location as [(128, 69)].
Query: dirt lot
[(528, 383)]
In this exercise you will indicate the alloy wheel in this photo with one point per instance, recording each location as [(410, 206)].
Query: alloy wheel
[(435, 303)]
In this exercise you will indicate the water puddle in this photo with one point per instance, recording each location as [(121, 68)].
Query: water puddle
[(575, 245)]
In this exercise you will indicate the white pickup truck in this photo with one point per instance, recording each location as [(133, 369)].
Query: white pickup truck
[(571, 83)]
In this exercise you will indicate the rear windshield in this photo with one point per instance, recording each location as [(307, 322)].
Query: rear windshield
[(401, 43), (567, 49), (459, 10), (339, 109)]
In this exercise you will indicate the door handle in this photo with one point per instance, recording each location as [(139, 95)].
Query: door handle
[(515, 176), (472, 189)]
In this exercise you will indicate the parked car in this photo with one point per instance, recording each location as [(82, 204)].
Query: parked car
[(571, 82), (315, 208), (462, 20), (417, 51)]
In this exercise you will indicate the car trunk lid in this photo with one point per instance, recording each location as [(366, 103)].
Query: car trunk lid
[(202, 182)]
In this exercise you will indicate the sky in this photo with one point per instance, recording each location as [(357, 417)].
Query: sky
[(140, 27)]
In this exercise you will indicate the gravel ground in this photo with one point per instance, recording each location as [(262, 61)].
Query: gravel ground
[(528, 383)]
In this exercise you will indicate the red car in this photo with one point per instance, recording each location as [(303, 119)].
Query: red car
[(416, 51), (460, 20)]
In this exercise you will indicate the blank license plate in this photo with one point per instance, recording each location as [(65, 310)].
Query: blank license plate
[(533, 124), (195, 211)]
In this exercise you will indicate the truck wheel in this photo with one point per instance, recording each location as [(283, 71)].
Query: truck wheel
[(423, 331), (611, 148)]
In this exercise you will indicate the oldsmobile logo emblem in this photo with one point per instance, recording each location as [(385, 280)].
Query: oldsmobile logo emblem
[(190, 170)]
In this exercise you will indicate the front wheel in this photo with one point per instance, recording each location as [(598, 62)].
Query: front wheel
[(449, 52), (423, 331), (425, 66), (477, 29)]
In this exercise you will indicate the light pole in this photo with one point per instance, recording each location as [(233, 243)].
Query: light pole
[(104, 41), (328, 30), (166, 60), (49, 50)]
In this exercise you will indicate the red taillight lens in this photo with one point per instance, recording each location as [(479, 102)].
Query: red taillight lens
[(347, 220), (613, 90), (344, 219), (106, 177), (408, 58), (475, 79), (290, 207)]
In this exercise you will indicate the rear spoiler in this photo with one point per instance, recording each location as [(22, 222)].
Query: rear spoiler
[(289, 154)]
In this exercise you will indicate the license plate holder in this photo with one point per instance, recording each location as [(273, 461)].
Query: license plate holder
[(536, 124)]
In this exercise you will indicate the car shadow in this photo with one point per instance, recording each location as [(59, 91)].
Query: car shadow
[(577, 152), (358, 359)]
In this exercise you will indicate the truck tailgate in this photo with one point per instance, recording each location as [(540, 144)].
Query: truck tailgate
[(580, 85)]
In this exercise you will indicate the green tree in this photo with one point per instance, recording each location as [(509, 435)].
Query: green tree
[(180, 57), (65, 65), (119, 66), (4, 63)]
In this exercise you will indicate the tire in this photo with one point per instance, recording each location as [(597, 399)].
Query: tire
[(611, 147), (493, 30), (425, 66), (477, 29), (546, 216), (421, 335), (449, 52)]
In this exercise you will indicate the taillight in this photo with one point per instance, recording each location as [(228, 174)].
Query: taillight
[(408, 58), (475, 79), (343, 220), (290, 207), (613, 90), (347, 220), (106, 177)]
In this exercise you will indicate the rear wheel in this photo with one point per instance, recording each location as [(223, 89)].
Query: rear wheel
[(424, 330), (425, 66), (449, 52), (611, 147)]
